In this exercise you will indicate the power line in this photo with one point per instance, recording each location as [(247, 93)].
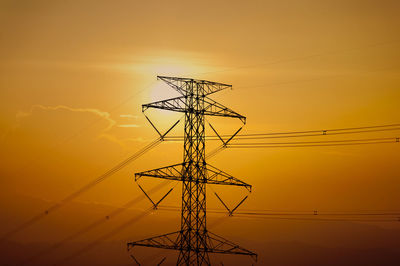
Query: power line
[(322, 133), (105, 236), (83, 189), (89, 185), (326, 130), (310, 145), (301, 213), (322, 219), (88, 126), (352, 211), (268, 85), (315, 213), (115, 107), (352, 217), (307, 133), (93, 224), (306, 56), (315, 142)]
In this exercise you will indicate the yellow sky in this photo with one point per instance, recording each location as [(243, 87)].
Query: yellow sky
[(73, 76)]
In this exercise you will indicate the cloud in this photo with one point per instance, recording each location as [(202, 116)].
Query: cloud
[(129, 116), (131, 125), (59, 125), (100, 114), (124, 143), (50, 144), (86, 123)]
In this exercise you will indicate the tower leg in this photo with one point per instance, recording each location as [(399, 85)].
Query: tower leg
[(193, 219)]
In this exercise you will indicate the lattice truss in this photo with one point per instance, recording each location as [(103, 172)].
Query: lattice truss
[(194, 242)]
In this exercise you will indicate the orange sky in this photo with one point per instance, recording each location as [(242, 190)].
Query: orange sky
[(73, 76)]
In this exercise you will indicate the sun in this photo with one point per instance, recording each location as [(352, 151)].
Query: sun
[(161, 91), (158, 92)]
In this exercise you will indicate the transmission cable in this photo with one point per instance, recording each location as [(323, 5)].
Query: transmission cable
[(355, 217), (308, 133), (105, 236), (332, 52), (94, 224), (83, 189), (342, 143)]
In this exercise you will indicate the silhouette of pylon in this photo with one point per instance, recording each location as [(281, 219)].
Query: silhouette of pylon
[(193, 241)]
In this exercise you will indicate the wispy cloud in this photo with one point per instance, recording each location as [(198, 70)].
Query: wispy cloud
[(129, 116), (127, 126), (44, 114), (100, 114)]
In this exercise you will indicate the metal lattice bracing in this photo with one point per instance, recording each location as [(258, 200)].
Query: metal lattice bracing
[(213, 175), (203, 87), (193, 241)]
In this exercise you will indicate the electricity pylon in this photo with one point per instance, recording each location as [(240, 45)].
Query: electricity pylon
[(193, 241)]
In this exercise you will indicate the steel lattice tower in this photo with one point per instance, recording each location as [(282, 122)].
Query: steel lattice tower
[(193, 241)]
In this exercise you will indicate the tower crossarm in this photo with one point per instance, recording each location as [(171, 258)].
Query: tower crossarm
[(179, 84), (172, 172), (213, 108), (172, 241), (213, 175), (217, 244), (219, 177), (166, 241), (205, 87), (177, 104)]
